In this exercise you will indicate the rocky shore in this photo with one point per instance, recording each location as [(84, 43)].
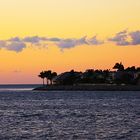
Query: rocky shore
[(89, 88)]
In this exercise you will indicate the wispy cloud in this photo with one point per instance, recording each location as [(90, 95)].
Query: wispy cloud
[(126, 38), (17, 44), (135, 36), (13, 45), (2, 44), (15, 39), (95, 41), (70, 43), (54, 39), (120, 38), (34, 39)]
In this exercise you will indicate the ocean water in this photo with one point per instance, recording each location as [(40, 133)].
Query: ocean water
[(68, 115)]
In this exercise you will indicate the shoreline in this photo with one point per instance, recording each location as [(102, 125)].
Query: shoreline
[(88, 88)]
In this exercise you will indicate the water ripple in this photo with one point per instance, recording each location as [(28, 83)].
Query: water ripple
[(69, 115)]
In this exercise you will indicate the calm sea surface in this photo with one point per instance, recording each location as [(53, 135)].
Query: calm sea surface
[(63, 115)]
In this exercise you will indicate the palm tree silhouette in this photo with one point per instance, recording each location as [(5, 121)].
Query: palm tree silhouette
[(119, 66), (53, 74), (47, 75), (42, 76)]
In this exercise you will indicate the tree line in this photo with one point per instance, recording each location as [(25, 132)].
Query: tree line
[(48, 75), (122, 75)]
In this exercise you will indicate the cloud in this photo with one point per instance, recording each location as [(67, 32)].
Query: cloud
[(82, 41), (95, 41), (66, 43), (120, 38), (70, 43), (126, 38), (54, 39), (135, 36), (33, 39), (2, 44), (15, 46), (15, 39)]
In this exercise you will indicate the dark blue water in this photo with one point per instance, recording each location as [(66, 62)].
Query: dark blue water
[(25, 114)]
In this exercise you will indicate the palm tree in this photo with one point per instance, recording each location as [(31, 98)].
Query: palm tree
[(119, 66), (42, 76), (53, 75), (47, 75)]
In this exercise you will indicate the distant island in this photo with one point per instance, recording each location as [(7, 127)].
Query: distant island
[(121, 79)]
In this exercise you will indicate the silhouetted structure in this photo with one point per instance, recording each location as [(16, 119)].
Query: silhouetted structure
[(130, 75)]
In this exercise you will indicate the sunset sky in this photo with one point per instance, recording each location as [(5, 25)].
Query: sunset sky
[(61, 35)]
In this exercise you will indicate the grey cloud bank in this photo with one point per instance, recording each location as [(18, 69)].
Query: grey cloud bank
[(126, 38), (17, 44)]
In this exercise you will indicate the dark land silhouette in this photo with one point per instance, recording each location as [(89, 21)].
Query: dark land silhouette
[(121, 78)]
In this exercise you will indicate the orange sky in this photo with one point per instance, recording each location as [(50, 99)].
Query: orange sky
[(64, 35)]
